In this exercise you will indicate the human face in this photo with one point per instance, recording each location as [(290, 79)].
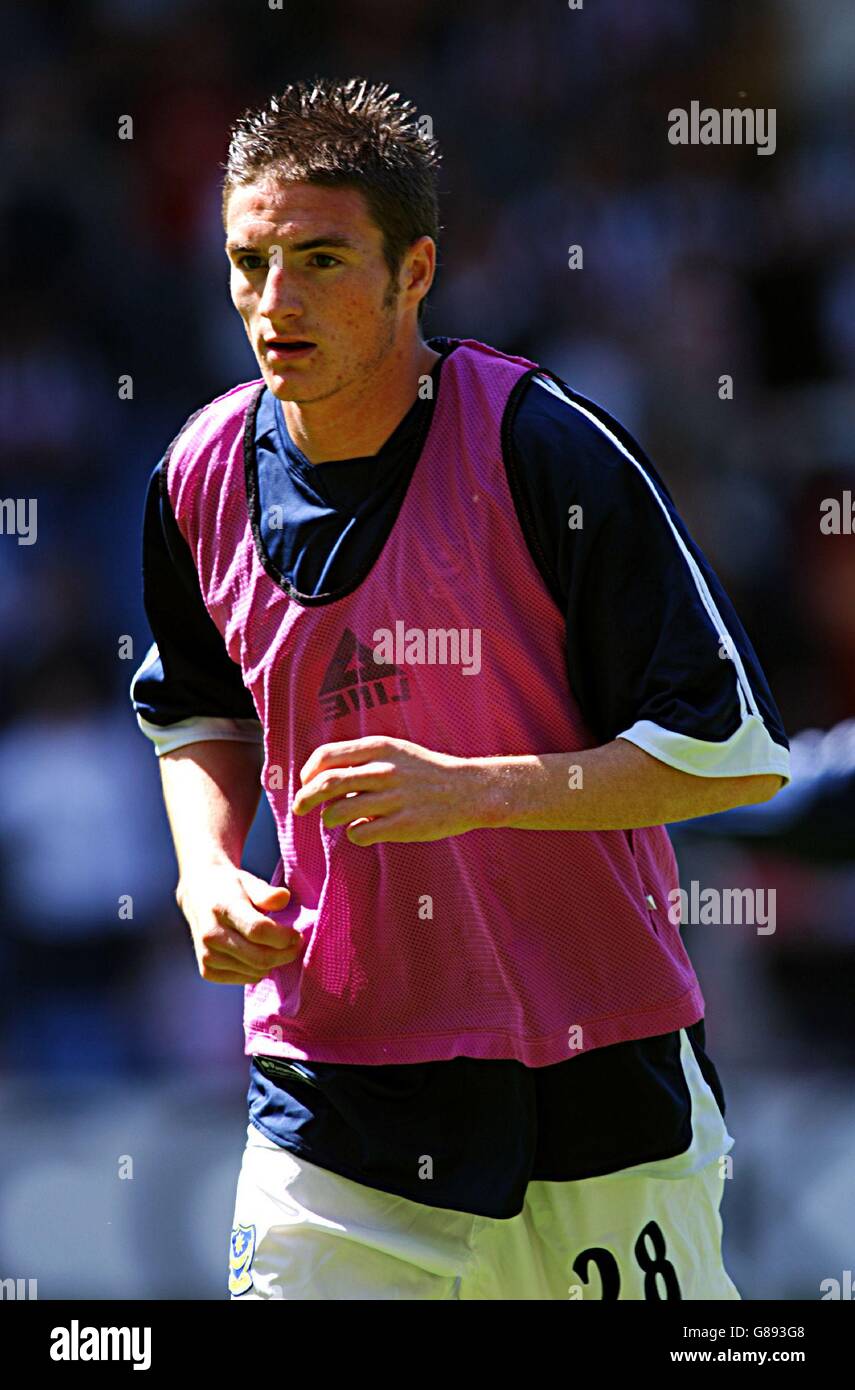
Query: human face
[(307, 264)]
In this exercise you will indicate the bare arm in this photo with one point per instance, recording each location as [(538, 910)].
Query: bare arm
[(211, 790), (615, 787), (396, 791)]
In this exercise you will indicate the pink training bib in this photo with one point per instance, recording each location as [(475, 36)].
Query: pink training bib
[(498, 943)]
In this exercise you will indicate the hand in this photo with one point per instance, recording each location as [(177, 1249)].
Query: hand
[(388, 790), (235, 943)]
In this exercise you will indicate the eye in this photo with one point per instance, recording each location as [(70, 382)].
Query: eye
[(242, 262), (322, 256)]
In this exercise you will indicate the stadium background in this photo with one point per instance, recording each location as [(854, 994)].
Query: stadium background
[(697, 262)]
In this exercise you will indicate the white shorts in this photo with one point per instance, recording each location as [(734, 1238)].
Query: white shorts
[(652, 1231)]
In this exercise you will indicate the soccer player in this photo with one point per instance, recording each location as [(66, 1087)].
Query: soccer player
[(442, 608)]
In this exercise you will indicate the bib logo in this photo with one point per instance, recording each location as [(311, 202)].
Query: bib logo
[(355, 680), (240, 1259)]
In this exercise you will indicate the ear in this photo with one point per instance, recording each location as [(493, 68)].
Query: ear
[(417, 270)]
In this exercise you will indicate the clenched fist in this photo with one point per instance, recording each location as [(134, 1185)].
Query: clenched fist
[(235, 943)]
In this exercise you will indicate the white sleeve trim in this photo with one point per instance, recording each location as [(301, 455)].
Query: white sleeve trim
[(750, 752), (167, 737)]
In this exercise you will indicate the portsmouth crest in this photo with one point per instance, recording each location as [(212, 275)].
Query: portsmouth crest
[(241, 1252)]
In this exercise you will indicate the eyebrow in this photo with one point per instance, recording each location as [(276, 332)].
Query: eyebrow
[(309, 245)]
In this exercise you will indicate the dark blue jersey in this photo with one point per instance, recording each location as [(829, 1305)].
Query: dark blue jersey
[(647, 621)]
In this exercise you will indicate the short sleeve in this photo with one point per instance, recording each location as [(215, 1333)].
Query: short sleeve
[(187, 687), (656, 653)]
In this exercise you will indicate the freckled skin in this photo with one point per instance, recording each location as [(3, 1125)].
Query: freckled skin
[(347, 397)]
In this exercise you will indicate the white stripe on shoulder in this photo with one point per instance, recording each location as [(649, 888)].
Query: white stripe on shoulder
[(743, 685)]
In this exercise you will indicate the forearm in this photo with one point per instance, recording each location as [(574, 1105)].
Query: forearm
[(615, 787), (211, 790)]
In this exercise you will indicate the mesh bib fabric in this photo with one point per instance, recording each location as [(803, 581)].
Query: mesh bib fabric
[(499, 943)]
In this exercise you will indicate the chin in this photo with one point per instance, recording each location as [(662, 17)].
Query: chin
[(281, 389)]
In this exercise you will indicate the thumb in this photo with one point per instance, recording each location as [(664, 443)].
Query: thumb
[(262, 894)]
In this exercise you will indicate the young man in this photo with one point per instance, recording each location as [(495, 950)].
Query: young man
[(444, 609)]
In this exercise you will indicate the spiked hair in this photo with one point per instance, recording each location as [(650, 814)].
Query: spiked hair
[(350, 134)]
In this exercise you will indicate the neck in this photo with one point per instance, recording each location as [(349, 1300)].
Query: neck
[(357, 421)]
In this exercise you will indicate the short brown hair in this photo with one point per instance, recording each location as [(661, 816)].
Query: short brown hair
[(350, 134)]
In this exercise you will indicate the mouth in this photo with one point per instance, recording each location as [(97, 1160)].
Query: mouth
[(288, 350)]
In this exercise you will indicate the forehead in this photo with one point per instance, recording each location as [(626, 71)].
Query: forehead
[(267, 209)]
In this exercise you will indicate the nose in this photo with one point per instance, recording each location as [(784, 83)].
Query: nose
[(280, 296)]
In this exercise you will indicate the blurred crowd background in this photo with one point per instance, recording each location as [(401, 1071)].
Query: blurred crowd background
[(699, 262)]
